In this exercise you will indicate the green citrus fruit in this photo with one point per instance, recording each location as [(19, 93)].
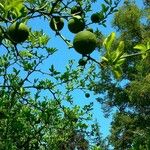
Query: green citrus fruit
[(77, 10), (95, 18), (84, 42), (87, 95), (76, 24), (57, 23), (18, 32), (82, 61)]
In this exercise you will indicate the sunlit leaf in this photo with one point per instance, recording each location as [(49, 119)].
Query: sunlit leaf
[(120, 62), (120, 47), (148, 45), (141, 47), (108, 41), (119, 51), (2, 8), (14, 6), (104, 59), (25, 53)]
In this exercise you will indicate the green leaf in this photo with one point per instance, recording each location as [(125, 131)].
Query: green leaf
[(119, 51), (52, 68), (2, 8), (117, 71), (108, 41), (120, 47), (18, 4), (14, 6), (104, 59), (109, 2), (25, 53), (104, 8), (43, 40), (96, 148), (141, 47), (120, 62), (27, 66), (148, 45)]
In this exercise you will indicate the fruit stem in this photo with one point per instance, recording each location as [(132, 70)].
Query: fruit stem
[(70, 45), (90, 58)]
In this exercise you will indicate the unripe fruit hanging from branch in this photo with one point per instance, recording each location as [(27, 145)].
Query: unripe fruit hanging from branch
[(82, 61), (84, 42), (18, 32), (57, 23), (76, 24), (95, 18)]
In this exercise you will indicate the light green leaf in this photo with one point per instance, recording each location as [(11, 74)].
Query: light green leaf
[(141, 47), (2, 8), (119, 51), (120, 47), (25, 53), (43, 40), (144, 56), (77, 17), (104, 59), (108, 41), (18, 4), (14, 5), (148, 45), (113, 56), (96, 148), (120, 62)]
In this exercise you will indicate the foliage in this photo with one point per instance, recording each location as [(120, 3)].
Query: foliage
[(37, 104), (130, 94)]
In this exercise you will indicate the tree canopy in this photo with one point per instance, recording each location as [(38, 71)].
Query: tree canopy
[(37, 105)]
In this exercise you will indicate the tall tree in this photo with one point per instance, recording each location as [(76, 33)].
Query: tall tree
[(130, 94)]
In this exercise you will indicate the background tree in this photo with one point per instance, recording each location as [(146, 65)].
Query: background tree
[(130, 94)]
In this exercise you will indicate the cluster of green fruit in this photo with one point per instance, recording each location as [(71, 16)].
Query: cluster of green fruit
[(75, 24), (84, 41)]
